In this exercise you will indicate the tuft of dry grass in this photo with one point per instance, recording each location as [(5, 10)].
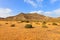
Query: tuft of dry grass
[(6, 23), (44, 26), (13, 25), (54, 23)]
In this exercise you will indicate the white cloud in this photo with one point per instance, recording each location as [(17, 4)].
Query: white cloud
[(53, 13), (5, 12), (36, 11), (31, 2), (53, 1), (39, 0), (57, 11), (39, 3)]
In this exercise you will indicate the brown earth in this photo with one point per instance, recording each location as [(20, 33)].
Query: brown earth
[(19, 32)]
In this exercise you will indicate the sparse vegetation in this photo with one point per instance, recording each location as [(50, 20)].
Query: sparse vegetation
[(49, 24), (36, 21), (44, 26), (28, 26), (54, 24), (44, 23), (26, 29), (6, 23), (25, 21), (22, 21), (13, 25)]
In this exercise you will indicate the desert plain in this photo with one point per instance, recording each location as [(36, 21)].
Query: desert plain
[(19, 32)]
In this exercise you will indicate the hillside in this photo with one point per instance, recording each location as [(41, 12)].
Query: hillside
[(30, 17)]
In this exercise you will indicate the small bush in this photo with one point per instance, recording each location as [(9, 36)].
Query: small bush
[(6, 23), (44, 22), (49, 24), (25, 21), (28, 26), (22, 21), (54, 23), (13, 25), (44, 26)]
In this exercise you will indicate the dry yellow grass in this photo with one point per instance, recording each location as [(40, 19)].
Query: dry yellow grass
[(19, 32)]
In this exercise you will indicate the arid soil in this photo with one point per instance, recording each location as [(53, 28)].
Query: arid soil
[(19, 32)]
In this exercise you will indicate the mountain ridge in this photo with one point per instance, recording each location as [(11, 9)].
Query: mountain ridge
[(29, 17)]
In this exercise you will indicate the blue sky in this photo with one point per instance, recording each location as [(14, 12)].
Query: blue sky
[(45, 7)]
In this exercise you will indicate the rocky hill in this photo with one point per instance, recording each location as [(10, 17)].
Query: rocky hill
[(29, 17)]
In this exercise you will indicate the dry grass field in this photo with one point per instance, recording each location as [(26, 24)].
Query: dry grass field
[(19, 32)]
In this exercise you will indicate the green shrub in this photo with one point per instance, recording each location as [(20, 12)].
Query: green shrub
[(54, 24), (13, 25), (28, 26)]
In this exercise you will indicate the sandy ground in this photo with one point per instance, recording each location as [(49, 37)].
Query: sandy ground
[(19, 32)]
